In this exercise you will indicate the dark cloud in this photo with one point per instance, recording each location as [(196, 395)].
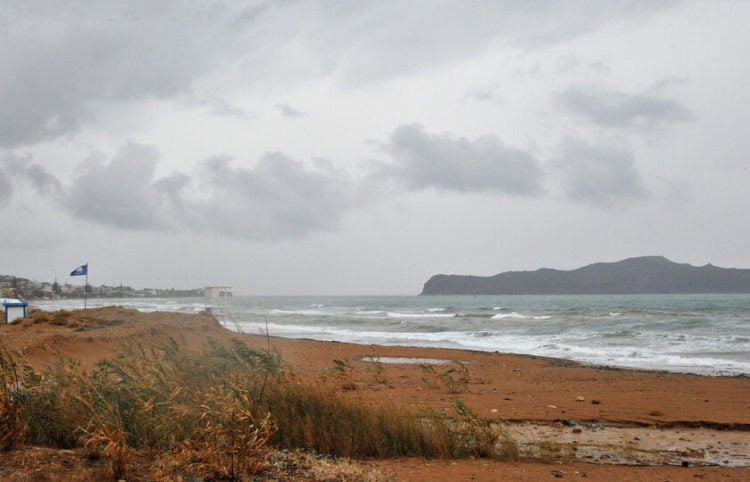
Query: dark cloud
[(278, 198), (6, 190), (604, 176), (14, 168), (43, 181), (58, 63), (63, 62), (120, 192), (623, 110), (446, 162)]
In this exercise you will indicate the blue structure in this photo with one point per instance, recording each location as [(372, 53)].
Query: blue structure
[(14, 309)]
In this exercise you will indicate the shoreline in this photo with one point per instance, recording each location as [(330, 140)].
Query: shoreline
[(609, 336), (498, 373), (559, 360)]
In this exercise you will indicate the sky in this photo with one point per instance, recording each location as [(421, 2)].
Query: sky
[(358, 147)]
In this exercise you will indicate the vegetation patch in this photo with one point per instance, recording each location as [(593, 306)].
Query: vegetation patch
[(227, 413)]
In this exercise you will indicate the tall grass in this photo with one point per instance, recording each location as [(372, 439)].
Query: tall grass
[(12, 426), (217, 414), (317, 417)]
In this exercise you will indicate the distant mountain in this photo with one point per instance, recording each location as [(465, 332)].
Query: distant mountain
[(643, 275)]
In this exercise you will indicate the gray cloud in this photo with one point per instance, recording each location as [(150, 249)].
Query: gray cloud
[(14, 168), (289, 111), (278, 198), (604, 176), (63, 62), (443, 161), (59, 62), (219, 107), (367, 42), (121, 192), (486, 93), (6, 191), (623, 110)]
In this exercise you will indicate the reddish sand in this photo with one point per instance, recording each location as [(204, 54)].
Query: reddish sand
[(702, 422)]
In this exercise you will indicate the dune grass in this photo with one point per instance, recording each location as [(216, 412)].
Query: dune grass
[(218, 414)]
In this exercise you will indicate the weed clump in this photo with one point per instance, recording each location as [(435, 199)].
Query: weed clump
[(198, 410), (219, 414), (12, 426)]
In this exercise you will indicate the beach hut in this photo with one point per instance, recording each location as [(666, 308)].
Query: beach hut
[(14, 309)]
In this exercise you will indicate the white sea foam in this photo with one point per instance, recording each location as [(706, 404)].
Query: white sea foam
[(392, 314), (277, 311), (500, 316), (707, 334)]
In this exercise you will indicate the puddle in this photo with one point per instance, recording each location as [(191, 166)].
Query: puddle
[(632, 446), (398, 360)]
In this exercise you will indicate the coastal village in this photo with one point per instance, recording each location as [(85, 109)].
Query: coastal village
[(26, 289)]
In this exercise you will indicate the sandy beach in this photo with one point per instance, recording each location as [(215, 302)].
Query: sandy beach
[(577, 421)]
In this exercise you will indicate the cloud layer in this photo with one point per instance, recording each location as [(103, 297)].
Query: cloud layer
[(62, 63), (601, 175), (447, 162), (614, 109), (15, 168), (278, 197)]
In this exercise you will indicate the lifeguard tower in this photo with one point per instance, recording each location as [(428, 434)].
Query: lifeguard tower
[(218, 302)]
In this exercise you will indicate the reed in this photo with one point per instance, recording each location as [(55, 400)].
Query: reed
[(12, 426), (220, 413)]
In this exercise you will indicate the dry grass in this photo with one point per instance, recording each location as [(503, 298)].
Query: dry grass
[(12, 427), (227, 413), (454, 379)]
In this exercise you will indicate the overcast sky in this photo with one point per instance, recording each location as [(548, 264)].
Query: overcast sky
[(359, 147)]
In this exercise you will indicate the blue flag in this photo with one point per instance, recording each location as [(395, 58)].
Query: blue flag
[(81, 270)]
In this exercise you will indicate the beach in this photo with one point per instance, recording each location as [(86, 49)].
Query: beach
[(580, 421), (705, 334)]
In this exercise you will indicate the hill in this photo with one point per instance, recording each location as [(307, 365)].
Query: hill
[(641, 275)]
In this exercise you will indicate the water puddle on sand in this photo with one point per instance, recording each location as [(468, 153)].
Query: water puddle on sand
[(398, 360), (602, 444)]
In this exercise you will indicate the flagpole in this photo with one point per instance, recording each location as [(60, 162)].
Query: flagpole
[(81, 271)]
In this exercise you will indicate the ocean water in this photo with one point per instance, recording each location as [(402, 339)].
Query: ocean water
[(705, 334)]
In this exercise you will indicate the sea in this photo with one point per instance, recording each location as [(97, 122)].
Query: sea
[(703, 334)]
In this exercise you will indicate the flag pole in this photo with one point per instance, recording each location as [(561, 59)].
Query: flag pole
[(83, 270)]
